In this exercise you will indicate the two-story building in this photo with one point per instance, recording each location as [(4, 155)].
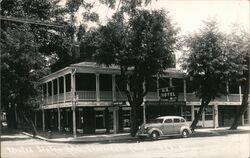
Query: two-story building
[(89, 98)]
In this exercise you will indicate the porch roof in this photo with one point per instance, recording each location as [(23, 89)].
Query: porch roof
[(93, 67)]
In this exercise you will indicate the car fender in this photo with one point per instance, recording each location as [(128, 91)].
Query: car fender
[(187, 128), (155, 129)]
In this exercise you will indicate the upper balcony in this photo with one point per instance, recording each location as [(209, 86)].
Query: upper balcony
[(85, 96)]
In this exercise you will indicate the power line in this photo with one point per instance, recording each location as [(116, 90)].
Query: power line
[(29, 21)]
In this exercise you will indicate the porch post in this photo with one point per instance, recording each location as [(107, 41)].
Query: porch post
[(240, 93), (115, 112), (170, 82), (192, 111), (64, 89), (97, 87), (59, 119), (143, 103), (74, 120), (184, 90), (35, 118), (227, 90), (58, 90), (216, 116), (157, 87), (43, 116), (113, 87), (73, 91), (47, 92), (52, 93)]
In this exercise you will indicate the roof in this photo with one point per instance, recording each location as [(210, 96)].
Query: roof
[(165, 117), (93, 67)]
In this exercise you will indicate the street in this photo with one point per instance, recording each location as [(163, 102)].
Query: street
[(228, 146)]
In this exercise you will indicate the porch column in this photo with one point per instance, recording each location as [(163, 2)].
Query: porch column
[(192, 111), (58, 90), (157, 87), (143, 103), (59, 119), (216, 116), (42, 94), (97, 87), (113, 87), (43, 117), (115, 123), (240, 93), (144, 112), (73, 91), (227, 90), (170, 82), (64, 89), (74, 120), (35, 118), (47, 92), (184, 90), (182, 111), (52, 93)]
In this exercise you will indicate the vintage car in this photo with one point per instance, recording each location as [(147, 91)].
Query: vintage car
[(164, 126)]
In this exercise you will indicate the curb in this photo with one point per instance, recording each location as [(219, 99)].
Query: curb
[(82, 140)]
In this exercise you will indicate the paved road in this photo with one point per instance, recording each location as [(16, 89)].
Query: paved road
[(227, 146)]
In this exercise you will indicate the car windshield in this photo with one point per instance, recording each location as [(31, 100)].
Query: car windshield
[(156, 121)]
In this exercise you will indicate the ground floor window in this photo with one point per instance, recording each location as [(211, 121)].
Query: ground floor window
[(126, 119), (209, 113), (188, 113), (99, 116)]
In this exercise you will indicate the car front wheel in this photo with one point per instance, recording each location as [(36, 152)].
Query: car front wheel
[(185, 133), (154, 135)]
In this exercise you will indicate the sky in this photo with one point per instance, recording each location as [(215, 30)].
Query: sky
[(189, 14)]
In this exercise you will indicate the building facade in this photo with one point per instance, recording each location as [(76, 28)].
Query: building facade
[(89, 98)]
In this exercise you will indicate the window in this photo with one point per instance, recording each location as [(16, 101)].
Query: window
[(182, 120), (176, 120), (209, 113), (126, 118), (99, 119), (187, 113), (168, 121), (156, 121)]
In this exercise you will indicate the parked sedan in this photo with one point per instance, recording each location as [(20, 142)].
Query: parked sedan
[(164, 126)]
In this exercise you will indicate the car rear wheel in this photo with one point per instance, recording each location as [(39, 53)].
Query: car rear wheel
[(185, 133), (154, 135)]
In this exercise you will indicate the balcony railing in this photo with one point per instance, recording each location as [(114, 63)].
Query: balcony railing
[(121, 96), (86, 95), (106, 95)]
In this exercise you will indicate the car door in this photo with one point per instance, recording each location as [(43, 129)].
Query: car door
[(168, 126), (177, 124)]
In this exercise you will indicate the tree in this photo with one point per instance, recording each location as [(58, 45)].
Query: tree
[(239, 46), (141, 46), (207, 65), (21, 62)]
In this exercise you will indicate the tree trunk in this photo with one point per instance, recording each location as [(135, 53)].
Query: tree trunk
[(198, 116), (30, 124), (244, 102)]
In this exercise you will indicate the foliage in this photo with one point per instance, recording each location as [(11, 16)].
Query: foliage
[(211, 63), (142, 46)]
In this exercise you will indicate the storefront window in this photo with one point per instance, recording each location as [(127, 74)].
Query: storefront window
[(126, 119), (209, 113), (187, 113), (99, 119)]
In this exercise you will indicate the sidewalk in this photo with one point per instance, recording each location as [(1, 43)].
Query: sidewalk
[(203, 132)]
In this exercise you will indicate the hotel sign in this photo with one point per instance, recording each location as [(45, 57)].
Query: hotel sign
[(168, 93)]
